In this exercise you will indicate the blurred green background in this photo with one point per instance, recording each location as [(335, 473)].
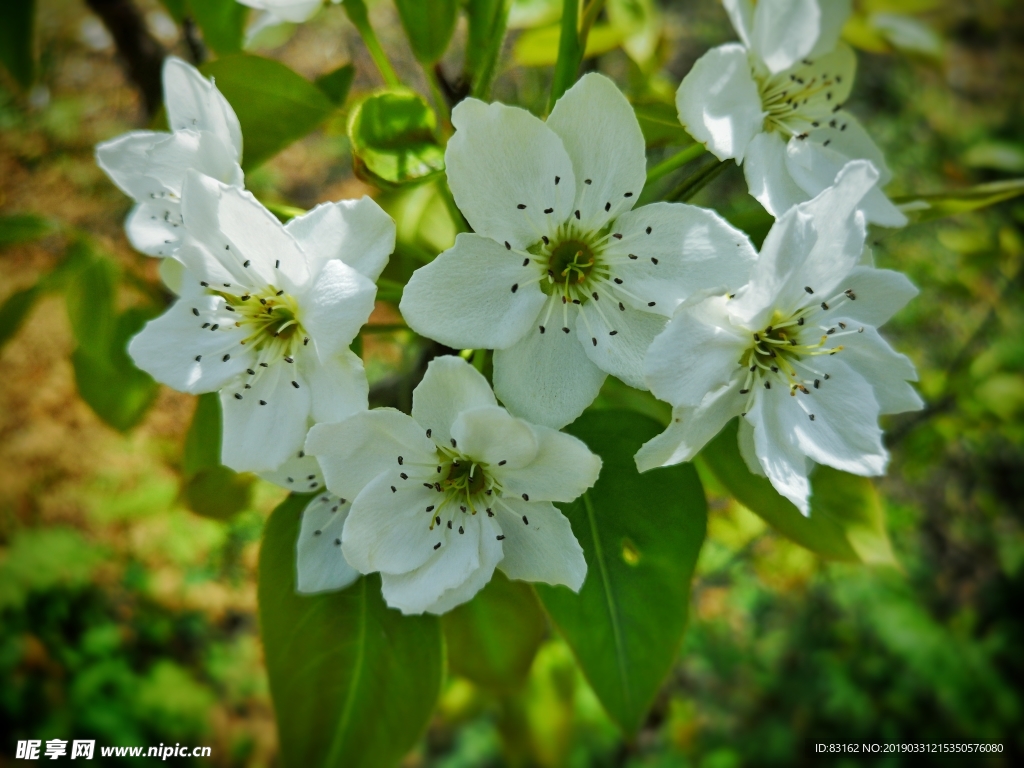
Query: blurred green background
[(129, 619)]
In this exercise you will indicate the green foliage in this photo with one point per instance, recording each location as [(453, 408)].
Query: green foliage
[(570, 52), (222, 23), (23, 228), (487, 20), (928, 207), (493, 638), (17, 40), (393, 137), (353, 681), (641, 536), (45, 559), (336, 84), (14, 310), (274, 104), (211, 489), (846, 520), (429, 25), (660, 124)]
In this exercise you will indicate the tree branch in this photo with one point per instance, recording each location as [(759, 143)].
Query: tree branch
[(140, 53)]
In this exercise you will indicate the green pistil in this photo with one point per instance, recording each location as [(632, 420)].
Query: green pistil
[(571, 262)]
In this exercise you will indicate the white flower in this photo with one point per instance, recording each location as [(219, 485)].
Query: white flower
[(150, 166), (441, 498), (795, 352), (266, 314), (561, 278), (775, 104), (277, 11)]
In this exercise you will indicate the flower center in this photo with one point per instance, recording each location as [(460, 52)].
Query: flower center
[(465, 477), (272, 319), (800, 99), (571, 261)]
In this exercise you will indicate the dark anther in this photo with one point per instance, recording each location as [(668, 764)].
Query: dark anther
[(400, 460), (545, 239), (250, 371), (449, 525), (204, 284), (277, 264), (295, 384), (593, 340), (263, 402), (246, 263), (428, 433), (453, 442), (195, 311), (622, 307), (500, 538), (607, 207), (549, 210), (237, 396), (403, 475), (824, 305), (438, 545), (198, 358), (521, 207), (565, 330), (618, 280), (541, 328), (744, 391), (808, 289), (648, 230), (461, 530), (577, 214), (525, 521), (508, 246), (393, 489), (811, 415), (817, 383), (515, 287), (800, 321), (594, 294), (225, 358), (612, 333), (526, 262), (767, 385), (525, 497), (651, 303), (587, 181), (628, 194), (557, 179), (654, 260), (632, 256), (850, 294), (279, 293)]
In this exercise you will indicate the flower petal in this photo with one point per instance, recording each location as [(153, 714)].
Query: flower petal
[(748, 450), (502, 158), (358, 232), (621, 354), (490, 555), (294, 11), (149, 232), (600, 132), (491, 435), (543, 550), (355, 451), (719, 104), (338, 385), (547, 378), (449, 387), (767, 175), (741, 14), (785, 31), (320, 564), (300, 473), (195, 104), (177, 351), (335, 307), (264, 428), (880, 293), (783, 462), (562, 469), (464, 297), (834, 14), (885, 370), (681, 250)]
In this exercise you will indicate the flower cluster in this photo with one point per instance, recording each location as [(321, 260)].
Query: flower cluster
[(565, 278)]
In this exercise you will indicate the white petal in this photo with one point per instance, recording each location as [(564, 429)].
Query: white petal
[(748, 449), (782, 461), (881, 293), (320, 564), (547, 378), (501, 158), (175, 350), (884, 369), (693, 357), (195, 104), (785, 31), (562, 469), (621, 354), (358, 232), (490, 435), (149, 232), (767, 175), (126, 160), (600, 132), (390, 530), (834, 14), (741, 14), (464, 297), (337, 385), (353, 452), (687, 250), (490, 554), (449, 387), (691, 428), (719, 104), (300, 473), (268, 425), (173, 275), (335, 307), (236, 230), (543, 550), (294, 11)]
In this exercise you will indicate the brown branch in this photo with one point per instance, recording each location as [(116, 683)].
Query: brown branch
[(139, 51)]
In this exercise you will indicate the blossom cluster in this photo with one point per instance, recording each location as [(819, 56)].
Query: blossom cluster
[(565, 278)]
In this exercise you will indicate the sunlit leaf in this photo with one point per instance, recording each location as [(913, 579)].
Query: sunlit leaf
[(275, 105), (641, 535), (846, 521), (23, 228), (539, 47), (429, 25), (222, 23), (928, 207), (336, 84), (353, 681), (393, 139), (493, 638), (17, 39)]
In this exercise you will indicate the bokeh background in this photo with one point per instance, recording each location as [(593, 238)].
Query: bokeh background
[(129, 618)]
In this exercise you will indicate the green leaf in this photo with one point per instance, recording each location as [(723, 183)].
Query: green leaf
[(928, 207), (846, 521), (392, 133), (275, 105), (14, 310), (222, 23), (641, 536), (353, 681), (176, 8), (336, 84), (202, 443), (211, 489), (17, 37), (90, 300), (429, 25), (493, 638), (23, 228), (487, 20), (660, 124)]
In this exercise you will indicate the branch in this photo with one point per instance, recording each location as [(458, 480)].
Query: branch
[(140, 53)]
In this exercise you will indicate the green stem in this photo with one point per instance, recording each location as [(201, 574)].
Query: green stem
[(356, 11), (589, 17), (691, 185), (437, 95), (675, 162), (569, 52), (489, 62)]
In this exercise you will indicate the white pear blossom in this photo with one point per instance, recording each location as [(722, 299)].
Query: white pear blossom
[(560, 276), (280, 11), (441, 498), (150, 166), (775, 104), (795, 352), (266, 314)]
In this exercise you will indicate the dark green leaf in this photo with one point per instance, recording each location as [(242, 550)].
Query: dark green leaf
[(222, 23), (660, 124), (336, 84), (487, 21), (90, 300), (570, 52), (846, 520), (23, 228), (202, 443), (353, 681), (393, 139), (17, 37), (275, 106), (14, 310), (177, 9), (429, 25), (211, 489), (641, 535), (493, 638), (927, 207)]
